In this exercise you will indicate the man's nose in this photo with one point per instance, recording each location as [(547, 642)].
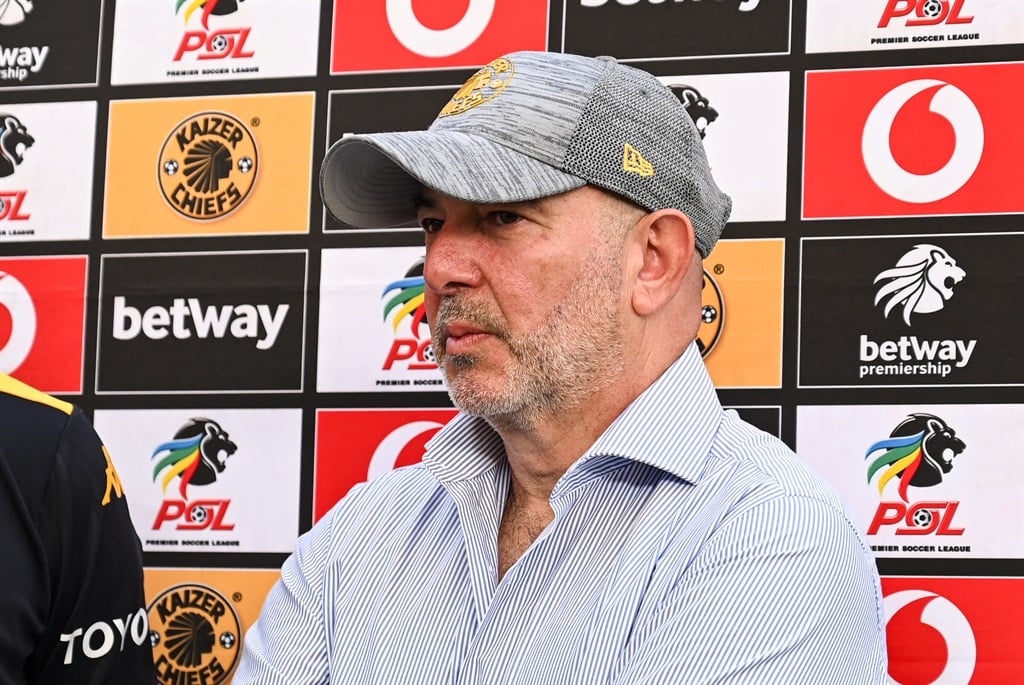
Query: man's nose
[(452, 261)]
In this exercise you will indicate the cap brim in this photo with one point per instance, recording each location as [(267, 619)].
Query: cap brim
[(374, 180)]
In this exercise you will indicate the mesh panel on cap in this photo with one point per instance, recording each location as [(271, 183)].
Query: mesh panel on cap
[(632, 107)]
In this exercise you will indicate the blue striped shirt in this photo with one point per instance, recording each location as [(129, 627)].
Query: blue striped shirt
[(687, 547)]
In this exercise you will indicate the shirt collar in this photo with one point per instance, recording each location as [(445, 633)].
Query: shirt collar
[(670, 426)]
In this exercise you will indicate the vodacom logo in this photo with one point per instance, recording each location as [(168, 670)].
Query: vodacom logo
[(386, 456), (942, 615), (429, 42), (17, 323), (949, 102)]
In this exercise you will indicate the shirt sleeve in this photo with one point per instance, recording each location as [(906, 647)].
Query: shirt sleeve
[(768, 601), (287, 644), (86, 599)]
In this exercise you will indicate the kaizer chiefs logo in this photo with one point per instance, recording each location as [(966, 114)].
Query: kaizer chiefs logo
[(208, 166), (712, 315), (194, 631), (484, 85)]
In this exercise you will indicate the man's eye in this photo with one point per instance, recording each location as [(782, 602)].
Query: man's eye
[(431, 225), (504, 218)]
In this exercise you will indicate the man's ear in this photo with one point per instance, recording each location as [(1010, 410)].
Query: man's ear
[(667, 242)]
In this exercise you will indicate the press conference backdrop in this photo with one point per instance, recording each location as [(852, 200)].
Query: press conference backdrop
[(165, 262)]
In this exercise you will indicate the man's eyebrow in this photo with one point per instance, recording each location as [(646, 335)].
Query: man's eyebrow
[(536, 203), (423, 201)]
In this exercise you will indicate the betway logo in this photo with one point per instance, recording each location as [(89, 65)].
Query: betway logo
[(30, 57), (186, 317), (909, 348)]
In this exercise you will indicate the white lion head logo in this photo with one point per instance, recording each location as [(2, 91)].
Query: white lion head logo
[(12, 12), (921, 281)]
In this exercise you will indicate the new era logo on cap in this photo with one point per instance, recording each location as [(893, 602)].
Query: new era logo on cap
[(634, 162)]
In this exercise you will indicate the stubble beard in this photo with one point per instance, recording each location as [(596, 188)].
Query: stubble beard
[(575, 353)]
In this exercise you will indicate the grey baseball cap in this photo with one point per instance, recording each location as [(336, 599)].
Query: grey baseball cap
[(530, 125)]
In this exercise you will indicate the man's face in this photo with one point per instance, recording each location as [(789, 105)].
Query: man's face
[(524, 301)]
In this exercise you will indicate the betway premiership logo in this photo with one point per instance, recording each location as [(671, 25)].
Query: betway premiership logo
[(12, 12), (921, 282), (17, 62)]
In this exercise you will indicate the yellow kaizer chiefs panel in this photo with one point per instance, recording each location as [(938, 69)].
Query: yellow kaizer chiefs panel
[(198, 618), (209, 166), (741, 330)]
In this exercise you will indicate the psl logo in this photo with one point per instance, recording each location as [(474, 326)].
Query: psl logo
[(925, 12), (207, 166), (17, 323), (197, 455), (712, 315), (407, 304), (207, 44), (921, 282), (697, 106), (947, 101), (194, 631), (12, 12), (919, 452), (14, 141)]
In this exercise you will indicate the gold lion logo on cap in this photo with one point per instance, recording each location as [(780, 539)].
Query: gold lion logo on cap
[(486, 84)]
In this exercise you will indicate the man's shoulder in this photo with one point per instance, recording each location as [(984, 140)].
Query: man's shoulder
[(397, 493), (768, 462), (29, 409), (32, 427)]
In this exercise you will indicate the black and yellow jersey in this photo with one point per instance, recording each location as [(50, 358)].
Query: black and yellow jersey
[(72, 604)]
